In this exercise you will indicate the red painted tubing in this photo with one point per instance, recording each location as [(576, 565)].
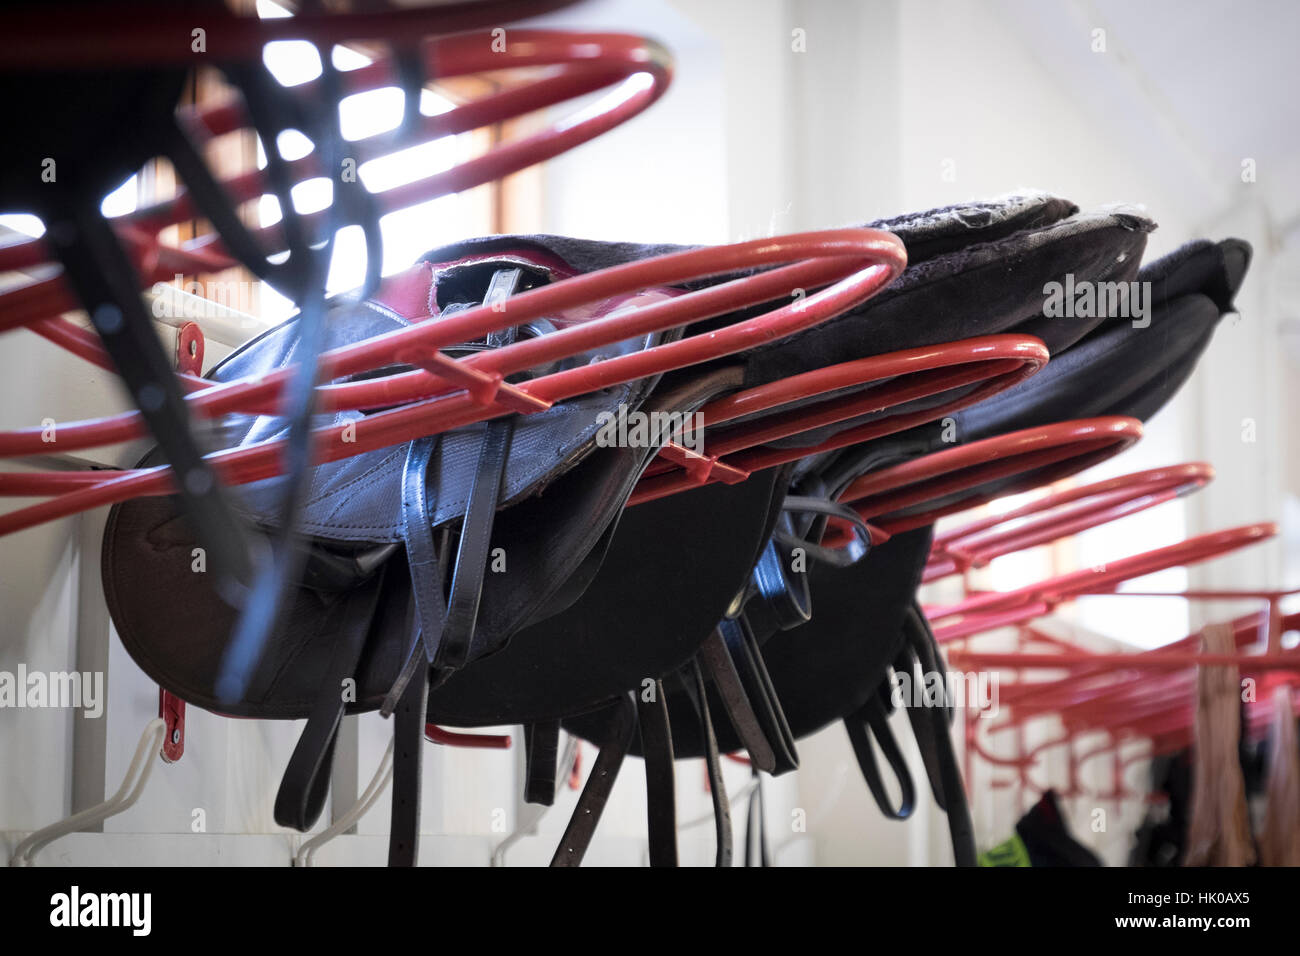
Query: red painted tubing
[(858, 263), (589, 61)]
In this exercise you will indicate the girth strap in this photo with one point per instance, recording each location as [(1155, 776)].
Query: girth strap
[(660, 780), (960, 827), (452, 652), (905, 663), (695, 691), (541, 747), (305, 783), (779, 598), (757, 684), (426, 576), (408, 748), (871, 721), (717, 662), (446, 628), (604, 771)]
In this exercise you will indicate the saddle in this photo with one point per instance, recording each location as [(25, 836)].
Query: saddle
[(957, 260), (400, 542), (819, 663), (832, 667)]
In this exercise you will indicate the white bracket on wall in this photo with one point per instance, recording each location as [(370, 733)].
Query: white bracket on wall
[(378, 784), (137, 775)]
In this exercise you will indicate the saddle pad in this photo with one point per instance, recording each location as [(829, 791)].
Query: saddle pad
[(651, 603)]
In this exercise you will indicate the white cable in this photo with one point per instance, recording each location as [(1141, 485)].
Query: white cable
[(378, 784), (141, 765)]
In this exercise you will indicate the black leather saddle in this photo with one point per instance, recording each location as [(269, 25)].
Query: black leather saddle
[(863, 625), (956, 280), (466, 561), (653, 609)]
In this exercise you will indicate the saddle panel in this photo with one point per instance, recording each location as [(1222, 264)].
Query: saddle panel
[(647, 606), (175, 625), (624, 629), (355, 507)]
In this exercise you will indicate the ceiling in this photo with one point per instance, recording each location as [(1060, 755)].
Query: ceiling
[(1211, 82)]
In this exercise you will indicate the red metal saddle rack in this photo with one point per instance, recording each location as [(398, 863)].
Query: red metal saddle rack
[(587, 62), (1130, 697), (895, 499), (139, 32), (1059, 515), (845, 266), (987, 610), (984, 366)]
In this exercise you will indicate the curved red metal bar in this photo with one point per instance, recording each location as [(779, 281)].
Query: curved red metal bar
[(451, 738), (845, 266), (162, 32), (970, 616), (1041, 697), (1136, 697), (990, 364), (588, 62), (1059, 515), (889, 498)]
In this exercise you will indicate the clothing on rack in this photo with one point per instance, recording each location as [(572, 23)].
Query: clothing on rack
[(1042, 838), (1219, 831), (1279, 835)]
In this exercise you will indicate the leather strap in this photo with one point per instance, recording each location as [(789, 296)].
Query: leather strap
[(604, 771), (305, 783), (422, 557), (835, 557), (408, 748), (446, 627), (871, 718), (452, 652), (757, 683), (717, 662), (717, 785), (925, 650), (960, 827), (541, 748), (779, 598), (916, 716), (660, 780)]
